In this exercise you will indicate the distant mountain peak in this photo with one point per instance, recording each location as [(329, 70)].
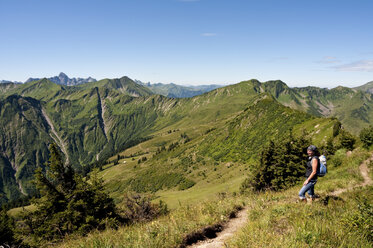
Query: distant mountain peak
[(63, 79), (62, 75)]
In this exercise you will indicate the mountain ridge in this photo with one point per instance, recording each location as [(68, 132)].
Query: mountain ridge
[(63, 79), (93, 121), (178, 91)]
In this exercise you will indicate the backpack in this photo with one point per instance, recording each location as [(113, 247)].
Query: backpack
[(323, 170)]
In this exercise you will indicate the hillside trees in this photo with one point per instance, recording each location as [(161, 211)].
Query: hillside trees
[(69, 203), (281, 165)]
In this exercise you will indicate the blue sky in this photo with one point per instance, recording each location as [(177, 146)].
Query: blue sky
[(322, 43)]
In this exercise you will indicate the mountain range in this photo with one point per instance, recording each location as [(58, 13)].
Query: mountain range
[(170, 90), (63, 79), (177, 91), (92, 121)]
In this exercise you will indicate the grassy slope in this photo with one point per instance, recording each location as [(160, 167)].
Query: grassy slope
[(167, 231), (275, 219), (325, 223), (216, 160), (351, 107)]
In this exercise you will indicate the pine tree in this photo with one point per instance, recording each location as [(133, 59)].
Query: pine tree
[(330, 148), (68, 203), (281, 165), (263, 174), (336, 128)]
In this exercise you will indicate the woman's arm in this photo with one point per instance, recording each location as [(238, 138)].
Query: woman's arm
[(314, 171)]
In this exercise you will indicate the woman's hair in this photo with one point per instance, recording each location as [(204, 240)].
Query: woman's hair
[(314, 150), (316, 153)]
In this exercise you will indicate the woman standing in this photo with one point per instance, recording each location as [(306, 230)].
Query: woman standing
[(313, 165)]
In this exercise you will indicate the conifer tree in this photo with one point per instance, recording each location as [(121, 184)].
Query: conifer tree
[(263, 175), (68, 203), (336, 128), (330, 147), (281, 165)]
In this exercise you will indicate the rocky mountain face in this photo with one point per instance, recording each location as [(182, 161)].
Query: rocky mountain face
[(63, 79)]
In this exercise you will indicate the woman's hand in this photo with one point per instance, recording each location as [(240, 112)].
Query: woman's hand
[(305, 182)]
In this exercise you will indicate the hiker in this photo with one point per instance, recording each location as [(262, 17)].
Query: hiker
[(313, 165)]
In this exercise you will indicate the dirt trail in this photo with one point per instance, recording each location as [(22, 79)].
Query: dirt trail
[(364, 172), (229, 229), (232, 226)]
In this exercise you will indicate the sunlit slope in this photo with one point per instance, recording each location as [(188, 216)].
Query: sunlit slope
[(97, 120), (94, 121), (354, 108), (215, 159)]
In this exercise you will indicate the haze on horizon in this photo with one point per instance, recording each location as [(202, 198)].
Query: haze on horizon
[(189, 42)]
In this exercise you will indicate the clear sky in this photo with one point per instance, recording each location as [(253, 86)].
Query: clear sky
[(322, 43)]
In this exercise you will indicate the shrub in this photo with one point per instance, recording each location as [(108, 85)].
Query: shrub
[(140, 208), (173, 146), (347, 140), (336, 161), (366, 136), (186, 184)]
